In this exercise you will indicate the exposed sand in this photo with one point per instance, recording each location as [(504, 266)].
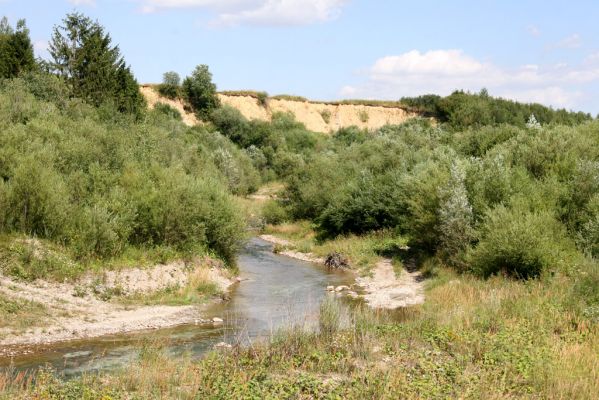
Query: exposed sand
[(385, 290), (153, 97), (381, 290), (76, 315), (308, 257), (311, 114)]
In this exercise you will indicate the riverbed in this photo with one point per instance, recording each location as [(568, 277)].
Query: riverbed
[(275, 292)]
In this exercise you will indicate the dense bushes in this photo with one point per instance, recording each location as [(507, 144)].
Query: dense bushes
[(98, 183), (461, 110), (497, 199)]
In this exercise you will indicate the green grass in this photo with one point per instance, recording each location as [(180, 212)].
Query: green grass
[(29, 259), (198, 290), (363, 252)]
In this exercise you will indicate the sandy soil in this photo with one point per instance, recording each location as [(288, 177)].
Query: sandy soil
[(308, 113), (308, 257), (152, 97), (381, 290), (385, 290), (311, 114), (77, 315)]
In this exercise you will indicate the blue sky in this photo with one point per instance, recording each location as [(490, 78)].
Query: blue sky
[(545, 51)]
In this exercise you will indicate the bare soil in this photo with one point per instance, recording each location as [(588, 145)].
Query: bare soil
[(78, 311)]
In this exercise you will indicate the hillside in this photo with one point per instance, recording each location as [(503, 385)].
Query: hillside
[(316, 116)]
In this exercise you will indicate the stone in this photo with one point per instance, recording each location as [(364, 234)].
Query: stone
[(331, 288), (341, 288), (217, 320), (223, 345)]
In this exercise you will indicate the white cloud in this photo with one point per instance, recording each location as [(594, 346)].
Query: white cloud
[(443, 71), (256, 12), (83, 2), (571, 42)]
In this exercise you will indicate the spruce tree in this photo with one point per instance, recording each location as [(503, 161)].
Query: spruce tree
[(95, 71)]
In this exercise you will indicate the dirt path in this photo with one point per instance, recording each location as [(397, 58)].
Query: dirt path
[(381, 290), (385, 290), (77, 314)]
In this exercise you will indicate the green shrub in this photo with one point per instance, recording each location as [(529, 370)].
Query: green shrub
[(200, 92), (231, 123), (170, 86), (326, 116), (521, 243), (168, 110), (274, 212), (363, 116)]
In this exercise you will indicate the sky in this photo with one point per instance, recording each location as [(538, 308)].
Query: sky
[(528, 50)]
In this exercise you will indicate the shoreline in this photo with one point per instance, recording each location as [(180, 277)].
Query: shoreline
[(73, 317), (382, 290)]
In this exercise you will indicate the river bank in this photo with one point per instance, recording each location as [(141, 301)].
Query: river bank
[(117, 302), (382, 288)]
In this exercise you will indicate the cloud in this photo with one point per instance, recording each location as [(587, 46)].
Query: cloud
[(256, 12), (91, 3), (443, 71), (571, 42)]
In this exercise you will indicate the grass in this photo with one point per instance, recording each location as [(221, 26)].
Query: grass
[(28, 259), (18, 315), (363, 252), (473, 338), (199, 289), (290, 97)]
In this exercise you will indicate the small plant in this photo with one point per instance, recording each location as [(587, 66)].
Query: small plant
[(166, 109), (363, 115), (171, 85), (330, 317), (326, 116), (262, 98), (79, 291)]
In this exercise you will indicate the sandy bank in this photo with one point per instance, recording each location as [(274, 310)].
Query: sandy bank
[(382, 290), (78, 311)]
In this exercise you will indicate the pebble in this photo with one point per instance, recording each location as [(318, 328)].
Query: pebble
[(217, 320), (341, 288)]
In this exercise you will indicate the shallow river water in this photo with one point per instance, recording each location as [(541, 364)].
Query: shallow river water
[(277, 291)]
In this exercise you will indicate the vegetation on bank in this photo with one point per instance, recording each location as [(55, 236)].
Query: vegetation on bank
[(499, 203)]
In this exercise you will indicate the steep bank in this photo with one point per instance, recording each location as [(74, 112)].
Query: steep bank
[(316, 116), (320, 117)]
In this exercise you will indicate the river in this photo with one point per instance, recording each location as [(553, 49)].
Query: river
[(276, 291)]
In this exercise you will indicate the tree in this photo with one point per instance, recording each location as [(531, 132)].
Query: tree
[(170, 85), (201, 92), (16, 50), (455, 216), (94, 69)]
